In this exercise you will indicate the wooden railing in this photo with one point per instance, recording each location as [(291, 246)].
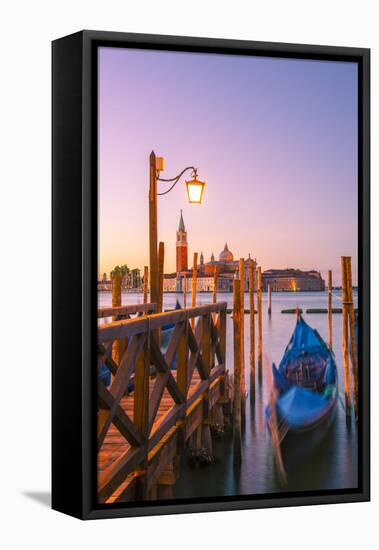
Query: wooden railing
[(125, 312), (200, 351)]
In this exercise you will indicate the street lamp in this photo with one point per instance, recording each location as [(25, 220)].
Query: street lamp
[(195, 189)]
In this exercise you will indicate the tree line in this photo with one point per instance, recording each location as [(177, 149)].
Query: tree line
[(131, 278)]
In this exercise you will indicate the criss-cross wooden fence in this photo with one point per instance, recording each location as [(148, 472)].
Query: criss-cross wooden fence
[(158, 395)]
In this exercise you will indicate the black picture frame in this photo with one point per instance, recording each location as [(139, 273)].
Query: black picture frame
[(74, 270)]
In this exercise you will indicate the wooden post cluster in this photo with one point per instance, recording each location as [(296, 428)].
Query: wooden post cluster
[(330, 309), (348, 326), (252, 328), (259, 300), (237, 372)]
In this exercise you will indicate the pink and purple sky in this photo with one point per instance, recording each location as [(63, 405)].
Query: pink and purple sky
[(274, 139)]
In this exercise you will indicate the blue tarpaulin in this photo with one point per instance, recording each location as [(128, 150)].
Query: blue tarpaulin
[(105, 375), (303, 340), (299, 406), (306, 380)]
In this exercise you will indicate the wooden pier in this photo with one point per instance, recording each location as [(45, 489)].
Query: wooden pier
[(150, 413)]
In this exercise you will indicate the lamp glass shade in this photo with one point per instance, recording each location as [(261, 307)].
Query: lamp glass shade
[(195, 190)]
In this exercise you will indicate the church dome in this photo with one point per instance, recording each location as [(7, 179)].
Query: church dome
[(226, 255)]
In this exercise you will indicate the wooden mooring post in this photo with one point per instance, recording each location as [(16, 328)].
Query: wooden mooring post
[(194, 286), (206, 439), (141, 412), (116, 290), (345, 335), (237, 372), (153, 230), (269, 299), (353, 339), (259, 300), (185, 290), (252, 329), (118, 346), (160, 276), (215, 282), (243, 382), (330, 309), (145, 283)]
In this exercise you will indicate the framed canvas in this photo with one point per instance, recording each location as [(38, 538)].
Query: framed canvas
[(211, 277)]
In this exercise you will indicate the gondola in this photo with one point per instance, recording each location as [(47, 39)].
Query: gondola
[(304, 395)]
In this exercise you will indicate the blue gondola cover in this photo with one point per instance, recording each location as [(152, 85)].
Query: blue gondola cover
[(105, 375), (305, 381)]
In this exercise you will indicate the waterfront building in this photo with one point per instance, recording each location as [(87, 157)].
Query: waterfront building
[(204, 283), (282, 280), (227, 267), (170, 282), (104, 284)]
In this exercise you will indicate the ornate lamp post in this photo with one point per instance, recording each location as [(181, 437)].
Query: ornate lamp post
[(195, 189)]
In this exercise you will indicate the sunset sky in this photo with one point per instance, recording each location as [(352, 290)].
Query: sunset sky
[(274, 139)]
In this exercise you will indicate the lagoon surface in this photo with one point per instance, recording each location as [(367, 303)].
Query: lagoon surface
[(332, 466)]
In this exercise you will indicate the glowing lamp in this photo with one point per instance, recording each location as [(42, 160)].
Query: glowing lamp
[(195, 189)]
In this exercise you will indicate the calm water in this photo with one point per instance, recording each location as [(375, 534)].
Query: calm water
[(332, 466)]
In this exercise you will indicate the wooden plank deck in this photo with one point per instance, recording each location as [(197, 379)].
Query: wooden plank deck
[(115, 444)]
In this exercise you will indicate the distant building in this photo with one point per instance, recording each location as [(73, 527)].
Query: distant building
[(169, 282), (204, 283), (181, 247), (282, 280), (226, 267), (104, 283)]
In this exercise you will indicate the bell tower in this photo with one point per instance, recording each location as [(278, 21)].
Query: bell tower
[(181, 247)]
